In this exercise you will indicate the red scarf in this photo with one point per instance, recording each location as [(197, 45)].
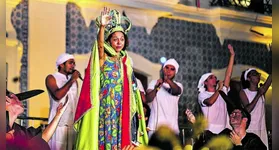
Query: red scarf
[(125, 108), (84, 102)]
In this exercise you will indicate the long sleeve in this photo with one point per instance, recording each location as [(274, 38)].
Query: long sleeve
[(251, 142)]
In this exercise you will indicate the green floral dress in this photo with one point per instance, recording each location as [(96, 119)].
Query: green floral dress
[(110, 105)]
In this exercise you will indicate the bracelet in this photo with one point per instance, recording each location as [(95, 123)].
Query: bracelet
[(157, 89)]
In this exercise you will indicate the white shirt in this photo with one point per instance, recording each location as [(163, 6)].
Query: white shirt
[(257, 124), (258, 113), (216, 114), (164, 108), (140, 85), (68, 116)]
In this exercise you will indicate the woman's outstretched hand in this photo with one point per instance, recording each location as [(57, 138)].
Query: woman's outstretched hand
[(105, 17)]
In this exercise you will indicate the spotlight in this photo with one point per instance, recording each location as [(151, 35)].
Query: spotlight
[(163, 60)]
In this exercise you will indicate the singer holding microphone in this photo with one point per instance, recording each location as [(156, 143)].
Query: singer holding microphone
[(212, 104), (63, 85), (163, 95)]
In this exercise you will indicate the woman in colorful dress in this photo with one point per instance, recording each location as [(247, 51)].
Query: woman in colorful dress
[(106, 115)]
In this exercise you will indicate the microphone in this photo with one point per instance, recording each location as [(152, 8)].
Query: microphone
[(78, 76), (162, 77), (159, 85), (216, 86)]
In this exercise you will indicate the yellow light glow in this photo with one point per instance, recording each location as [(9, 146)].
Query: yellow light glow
[(264, 76), (267, 32), (11, 43), (232, 2), (245, 3), (12, 2), (81, 3), (237, 2)]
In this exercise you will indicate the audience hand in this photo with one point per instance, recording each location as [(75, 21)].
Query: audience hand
[(231, 49), (190, 116), (62, 107), (10, 136), (236, 140)]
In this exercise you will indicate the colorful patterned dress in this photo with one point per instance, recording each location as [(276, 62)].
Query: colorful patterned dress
[(110, 105), (103, 101)]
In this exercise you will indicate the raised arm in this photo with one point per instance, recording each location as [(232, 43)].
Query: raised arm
[(190, 116), (105, 19), (267, 83), (53, 89), (230, 67), (50, 129), (261, 91)]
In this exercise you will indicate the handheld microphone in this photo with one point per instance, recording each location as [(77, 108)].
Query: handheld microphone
[(217, 85), (78, 76), (162, 77), (158, 86)]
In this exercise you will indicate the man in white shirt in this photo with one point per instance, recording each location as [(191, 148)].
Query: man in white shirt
[(163, 95), (212, 104), (62, 86)]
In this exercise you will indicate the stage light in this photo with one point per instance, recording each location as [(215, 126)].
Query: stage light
[(163, 60)]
